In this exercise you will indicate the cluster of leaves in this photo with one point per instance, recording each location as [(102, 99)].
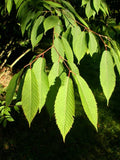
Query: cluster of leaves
[(72, 39)]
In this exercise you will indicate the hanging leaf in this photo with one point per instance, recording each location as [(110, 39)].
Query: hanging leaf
[(11, 88), (69, 18), (68, 50), (58, 29), (74, 68), (51, 96), (9, 4), (18, 3), (65, 107), (30, 96), (37, 34), (42, 80), (50, 22), (107, 75), (72, 10), (29, 16), (92, 44), (88, 100), (57, 50), (96, 4), (116, 59), (84, 2), (79, 45), (88, 10), (56, 70), (54, 4)]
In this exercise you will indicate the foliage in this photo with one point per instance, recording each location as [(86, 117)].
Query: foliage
[(71, 40)]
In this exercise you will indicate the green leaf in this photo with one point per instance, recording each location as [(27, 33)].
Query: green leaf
[(79, 44), (74, 68), (18, 3), (54, 4), (68, 50), (51, 96), (84, 2), (92, 44), (104, 8), (50, 22), (56, 70), (65, 107), (96, 4), (107, 74), (57, 50), (42, 80), (116, 59), (58, 28), (71, 8), (37, 34), (88, 100), (30, 96), (26, 21), (69, 18), (9, 5), (11, 88), (88, 10)]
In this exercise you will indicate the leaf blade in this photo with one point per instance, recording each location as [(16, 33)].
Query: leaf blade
[(65, 107), (30, 96), (107, 75)]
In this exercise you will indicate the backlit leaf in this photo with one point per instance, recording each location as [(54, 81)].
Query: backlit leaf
[(107, 74), (56, 70), (92, 44), (65, 107), (88, 100), (57, 50), (96, 4), (30, 96), (11, 88), (88, 10), (42, 80), (79, 43), (68, 50), (50, 22), (9, 5), (37, 34)]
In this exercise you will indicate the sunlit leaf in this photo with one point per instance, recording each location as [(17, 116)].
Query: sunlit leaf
[(68, 50), (88, 100), (50, 22), (57, 50), (37, 34), (65, 107), (30, 96), (96, 4), (107, 74), (42, 80), (92, 44)]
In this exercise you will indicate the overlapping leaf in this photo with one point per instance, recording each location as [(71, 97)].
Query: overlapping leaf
[(96, 4), (68, 50), (35, 37), (42, 80), (56, 70), (11, 88), (79, 43), (57, 50), (92, 44), (30, 96), (65, 107), (107, 74), (50, 22), (88, 100)]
